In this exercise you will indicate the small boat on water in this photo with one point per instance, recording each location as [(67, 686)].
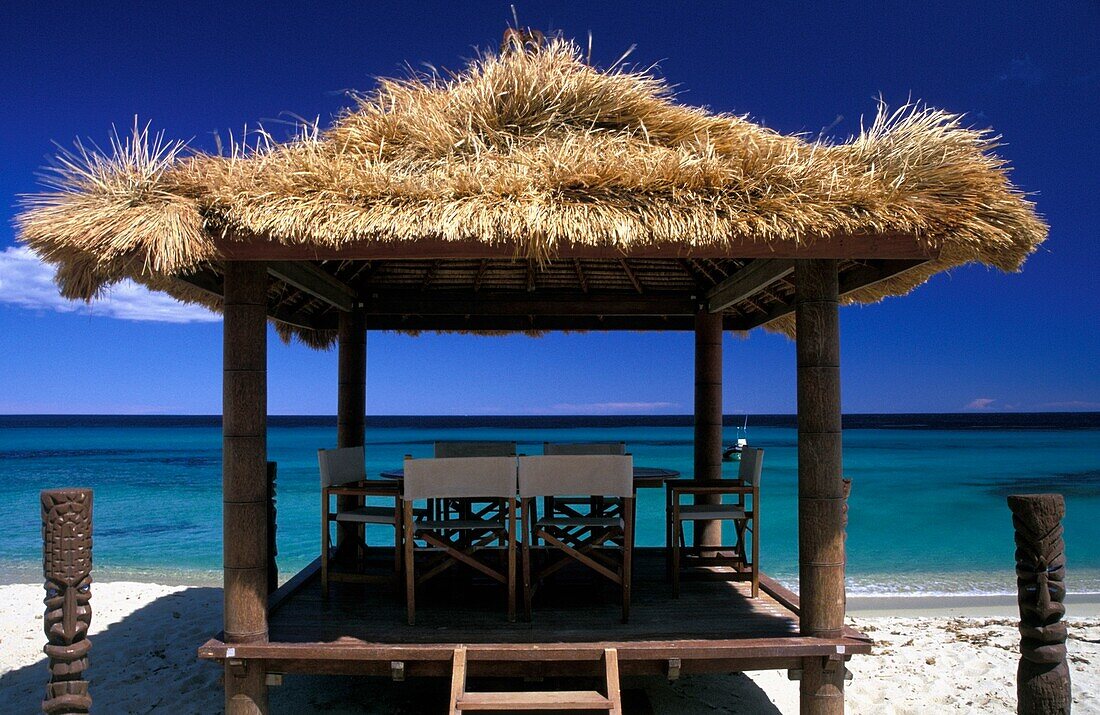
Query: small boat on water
[(732, 452)]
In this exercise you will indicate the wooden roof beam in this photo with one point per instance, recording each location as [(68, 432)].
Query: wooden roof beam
[(316, 281), (212, 284), (850, 280), (748, 281), (207, 281)]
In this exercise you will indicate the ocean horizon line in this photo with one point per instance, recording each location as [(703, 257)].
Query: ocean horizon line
[(853, 420)]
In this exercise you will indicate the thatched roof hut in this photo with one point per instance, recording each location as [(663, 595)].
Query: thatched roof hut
[(533, 192), (536, 173)]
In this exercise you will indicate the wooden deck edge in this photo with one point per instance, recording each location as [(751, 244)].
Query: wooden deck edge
[(789, 600), (280, 595), (794, 646), (785, 596)]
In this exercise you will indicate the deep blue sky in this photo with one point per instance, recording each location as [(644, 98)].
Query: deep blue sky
[(1025, 342)]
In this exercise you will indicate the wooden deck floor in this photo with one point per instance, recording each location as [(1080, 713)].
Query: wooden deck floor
[(713, 626)]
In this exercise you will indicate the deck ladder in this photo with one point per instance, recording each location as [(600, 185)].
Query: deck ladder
[(462, 701)]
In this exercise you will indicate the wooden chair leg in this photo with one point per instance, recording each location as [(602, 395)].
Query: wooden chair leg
[(668, 533), (526, 530), (739, 546), (324, 548), (398, 535), (628, 554), (361, 547), (511, 560), (678, 527), (410, 563), (755, 554)]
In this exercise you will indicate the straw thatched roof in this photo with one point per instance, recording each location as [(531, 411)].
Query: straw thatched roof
[(538, 153)]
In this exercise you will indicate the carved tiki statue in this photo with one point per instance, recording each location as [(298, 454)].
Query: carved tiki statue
[(67, 565), (1043, 676)]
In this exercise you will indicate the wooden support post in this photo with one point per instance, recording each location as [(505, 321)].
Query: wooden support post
[(821, 489), (351, 405), (67, 568), (272, 526), (351, 401), (708, 417), (244, 478), (1042, 678)]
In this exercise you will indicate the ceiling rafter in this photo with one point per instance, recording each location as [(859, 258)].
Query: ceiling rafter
[(630, 274), (429, 275), (481, 269), (705, 271), (753, 278), (581, 279), (862, 276), (316, 281)]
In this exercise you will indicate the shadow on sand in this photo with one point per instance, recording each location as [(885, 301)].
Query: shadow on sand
[(146, 663)]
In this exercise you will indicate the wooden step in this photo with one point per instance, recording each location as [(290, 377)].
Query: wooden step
[(536, 700)]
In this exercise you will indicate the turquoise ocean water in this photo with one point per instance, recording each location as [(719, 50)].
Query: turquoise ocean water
[(927, 509)]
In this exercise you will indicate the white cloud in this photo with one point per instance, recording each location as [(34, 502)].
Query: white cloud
[(599, 408), (980, 403), (27, 282)]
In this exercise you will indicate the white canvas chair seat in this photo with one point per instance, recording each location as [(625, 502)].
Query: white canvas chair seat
[(567, 522), (368, 515), (461, 524), (708, 512), (576, 500)]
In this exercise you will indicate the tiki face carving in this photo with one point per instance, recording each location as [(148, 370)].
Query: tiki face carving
[(1040, 558), (67, 568)]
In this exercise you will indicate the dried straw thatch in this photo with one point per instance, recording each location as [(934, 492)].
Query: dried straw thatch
[(537, 150)]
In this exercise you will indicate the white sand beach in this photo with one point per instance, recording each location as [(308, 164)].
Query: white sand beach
[(929, 660)]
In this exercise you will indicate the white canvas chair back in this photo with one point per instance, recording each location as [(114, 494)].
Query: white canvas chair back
[(618, 448), (752, 463), (459, 477), (340, 466), (475, 449), (571, 475)]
